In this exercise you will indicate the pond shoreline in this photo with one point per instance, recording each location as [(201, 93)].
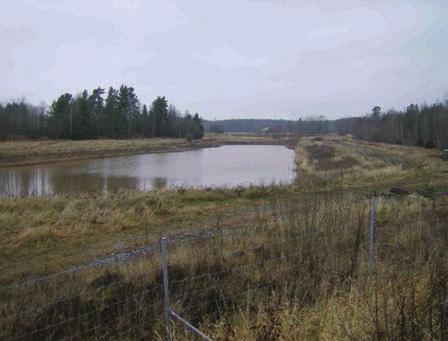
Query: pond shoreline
[(42, 152), (224, 166)]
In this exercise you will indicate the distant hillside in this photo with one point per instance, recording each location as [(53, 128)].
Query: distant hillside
[(343, 125), (247, 125)]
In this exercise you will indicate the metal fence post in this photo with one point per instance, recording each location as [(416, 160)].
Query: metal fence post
[(192, 328), (372, 244), (169, 313), (164, 251)]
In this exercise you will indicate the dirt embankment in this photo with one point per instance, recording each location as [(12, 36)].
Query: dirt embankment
[(22, 153)]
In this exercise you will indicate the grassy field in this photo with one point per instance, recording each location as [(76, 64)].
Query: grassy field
[(335, 161), (19, 153), (295, 266)]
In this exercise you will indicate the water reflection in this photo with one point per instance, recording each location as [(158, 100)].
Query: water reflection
[(159, 183), (223, 166)]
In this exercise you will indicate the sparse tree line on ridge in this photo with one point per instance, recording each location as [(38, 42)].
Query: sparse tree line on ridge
[(116, 114)]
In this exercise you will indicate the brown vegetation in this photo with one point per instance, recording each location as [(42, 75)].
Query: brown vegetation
[(343, 162), (286, 263), (19, 153), (324, 158), (300, 274)]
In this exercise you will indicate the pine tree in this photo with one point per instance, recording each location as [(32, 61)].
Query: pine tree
[(96, 104), (61, 117), (158, 117), (198, 129), (133, 111), (128, 109), (187, 126), (144, 130), (110, 113), (85, 120), (173, 126)]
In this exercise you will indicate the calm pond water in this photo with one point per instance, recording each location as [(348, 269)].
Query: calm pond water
[(223, 166)]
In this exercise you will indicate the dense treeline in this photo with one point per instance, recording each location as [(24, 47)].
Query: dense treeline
[(245, 125), (308, 126), (422, 126), (425, 126), (117, 114), (312, 125), (22, 119)]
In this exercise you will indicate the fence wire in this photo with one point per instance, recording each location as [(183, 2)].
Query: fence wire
[(181, 293), (81, 317), (202, 234)]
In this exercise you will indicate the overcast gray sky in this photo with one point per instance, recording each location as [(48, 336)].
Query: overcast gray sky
[(230, 58)]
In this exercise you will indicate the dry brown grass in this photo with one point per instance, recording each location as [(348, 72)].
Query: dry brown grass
[(320, 151), (325, 158), (16, 153), (340, 161), (40, 235), (300, 274), (297, 272)]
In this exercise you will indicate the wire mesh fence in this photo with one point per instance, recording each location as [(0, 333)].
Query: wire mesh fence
[(212, 274)]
